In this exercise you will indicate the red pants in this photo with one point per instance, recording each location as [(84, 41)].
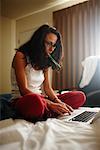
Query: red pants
[(35, 106)]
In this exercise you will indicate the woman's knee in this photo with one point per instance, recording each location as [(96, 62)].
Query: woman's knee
[(73, 98), (82, 96), (80, 99), (31, 105)]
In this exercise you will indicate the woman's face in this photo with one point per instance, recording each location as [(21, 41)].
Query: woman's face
[(50, 43)]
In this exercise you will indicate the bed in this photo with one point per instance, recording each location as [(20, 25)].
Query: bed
[(52, 134)]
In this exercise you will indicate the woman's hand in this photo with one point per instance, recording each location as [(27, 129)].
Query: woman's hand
[(59, 108), (66, 105)]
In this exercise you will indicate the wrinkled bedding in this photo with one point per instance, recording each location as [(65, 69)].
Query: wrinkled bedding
[(53, 134)]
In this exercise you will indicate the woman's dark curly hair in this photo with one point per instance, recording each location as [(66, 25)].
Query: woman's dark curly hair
[(34, 49)]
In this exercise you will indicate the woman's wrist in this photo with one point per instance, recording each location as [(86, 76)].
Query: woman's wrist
[(56, 99)]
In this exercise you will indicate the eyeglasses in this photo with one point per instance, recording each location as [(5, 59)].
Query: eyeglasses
[(50, 44)]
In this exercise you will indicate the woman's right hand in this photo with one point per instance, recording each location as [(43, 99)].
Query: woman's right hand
[(58, 108)]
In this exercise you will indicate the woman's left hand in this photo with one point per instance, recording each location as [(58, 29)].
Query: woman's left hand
[(68, 106)]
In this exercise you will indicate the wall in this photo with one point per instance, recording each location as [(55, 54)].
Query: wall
[(0, 45), (8, 44), (32, 22)]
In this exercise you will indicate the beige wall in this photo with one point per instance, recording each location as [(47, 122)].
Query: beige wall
[(8, 41), (0, 45), (32, 22)]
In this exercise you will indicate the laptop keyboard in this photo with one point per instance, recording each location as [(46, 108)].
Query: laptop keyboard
[(84, 117)]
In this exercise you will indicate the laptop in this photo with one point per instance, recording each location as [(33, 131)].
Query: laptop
[(83, 116)]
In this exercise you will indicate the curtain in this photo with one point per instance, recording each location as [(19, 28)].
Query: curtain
[(79, 26)]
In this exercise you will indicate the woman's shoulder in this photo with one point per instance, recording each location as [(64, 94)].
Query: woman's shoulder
[(19, 58), (19, 54)]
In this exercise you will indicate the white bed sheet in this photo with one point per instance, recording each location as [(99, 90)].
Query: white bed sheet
[(53, 134)]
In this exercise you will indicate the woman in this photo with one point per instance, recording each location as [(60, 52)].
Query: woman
[(30, 70)]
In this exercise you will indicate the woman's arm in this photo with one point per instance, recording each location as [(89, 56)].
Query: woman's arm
[(19, 64), (47, 87), (55, 104)]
